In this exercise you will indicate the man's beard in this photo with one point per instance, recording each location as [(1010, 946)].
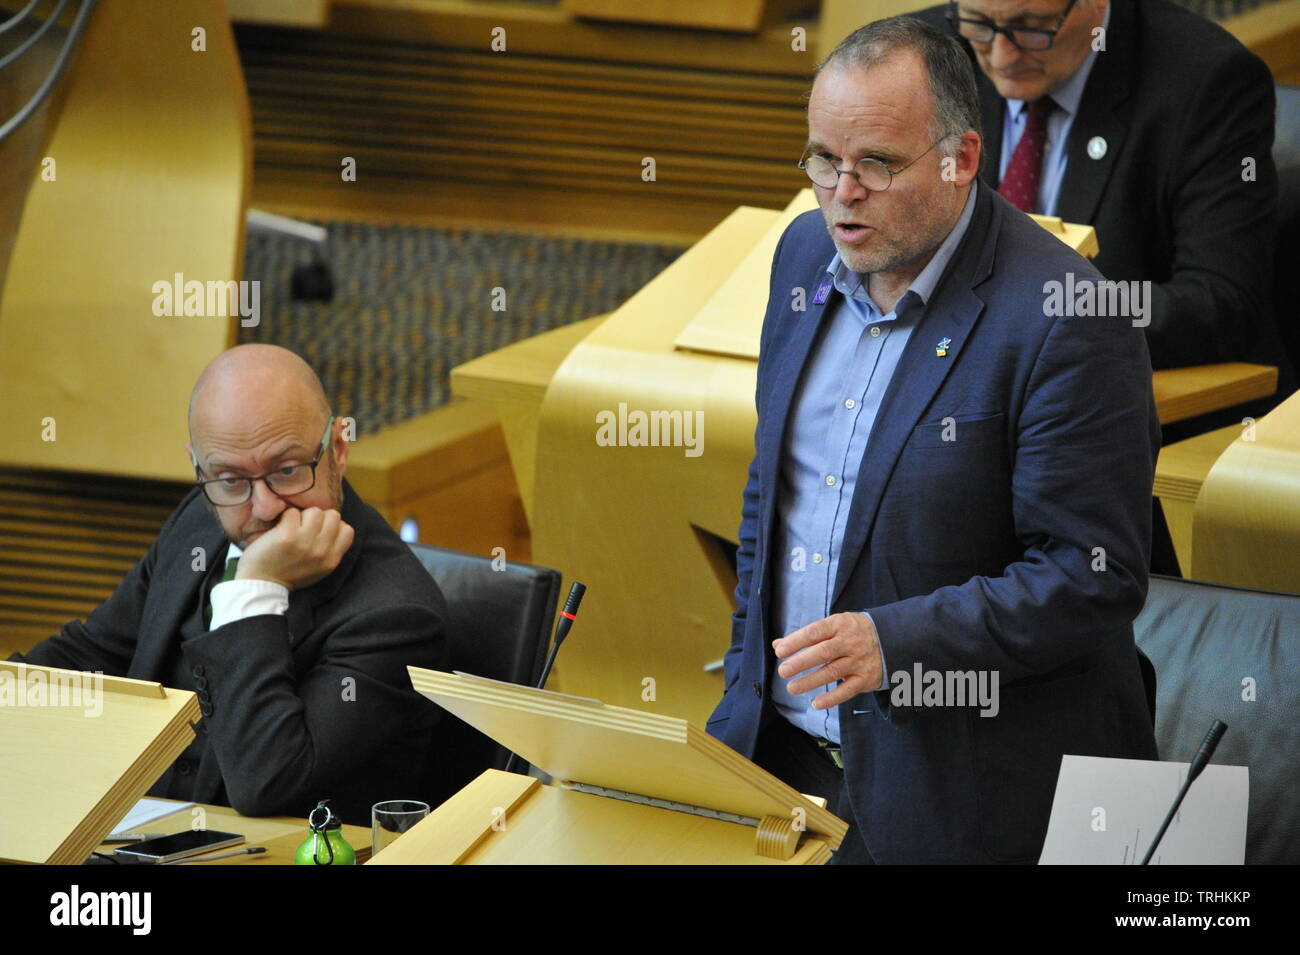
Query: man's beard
[(898, 251), (336, 485)]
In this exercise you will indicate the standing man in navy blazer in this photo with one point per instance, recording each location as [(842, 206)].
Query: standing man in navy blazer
[(946, 526)]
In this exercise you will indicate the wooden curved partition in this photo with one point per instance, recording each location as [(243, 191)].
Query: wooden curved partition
[(644, 527), (22, 149), (152, 161), (1246, 525)]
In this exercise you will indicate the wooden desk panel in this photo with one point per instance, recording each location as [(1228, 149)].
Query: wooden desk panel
[(1187, 392), (514, 379), (1246, 524)]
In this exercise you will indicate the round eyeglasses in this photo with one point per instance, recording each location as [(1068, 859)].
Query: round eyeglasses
[(871, 173)]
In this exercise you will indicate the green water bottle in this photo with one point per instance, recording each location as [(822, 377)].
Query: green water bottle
[(325, 844)]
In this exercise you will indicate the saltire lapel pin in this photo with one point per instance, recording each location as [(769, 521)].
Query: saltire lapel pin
[(941, 348), (823, 290)]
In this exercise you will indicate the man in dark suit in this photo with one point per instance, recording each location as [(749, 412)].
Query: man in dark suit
[(1155, 126), (951, 483), (284, 601)]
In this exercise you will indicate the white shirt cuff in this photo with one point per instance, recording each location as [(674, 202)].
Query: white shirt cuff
[(237, 599)]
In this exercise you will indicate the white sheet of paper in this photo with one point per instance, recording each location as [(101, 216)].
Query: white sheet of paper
[(145, 812), (1107, 811)]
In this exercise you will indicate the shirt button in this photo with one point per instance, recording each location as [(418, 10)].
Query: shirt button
[(875, 331), (830, 480), (850, 403), (817, 558)]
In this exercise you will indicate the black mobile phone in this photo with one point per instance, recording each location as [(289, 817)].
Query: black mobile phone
[(180, 846)]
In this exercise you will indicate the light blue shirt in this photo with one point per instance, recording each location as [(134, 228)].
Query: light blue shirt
[(1058, 132), (831, 418)]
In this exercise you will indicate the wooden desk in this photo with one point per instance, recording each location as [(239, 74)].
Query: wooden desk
[(282, 835), (1187, 392), (450, 472), (1180, 472), (1246, 524), (514, 379), (1230, 498)]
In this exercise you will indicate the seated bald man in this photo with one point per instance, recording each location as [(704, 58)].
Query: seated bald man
[(284, 601)]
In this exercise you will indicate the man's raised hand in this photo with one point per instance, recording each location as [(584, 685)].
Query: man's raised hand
[(303, 547)]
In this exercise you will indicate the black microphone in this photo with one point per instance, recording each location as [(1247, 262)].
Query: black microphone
[(562, 628), (1204, 753)]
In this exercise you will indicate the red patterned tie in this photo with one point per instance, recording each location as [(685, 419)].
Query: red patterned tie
[(1020, 184)]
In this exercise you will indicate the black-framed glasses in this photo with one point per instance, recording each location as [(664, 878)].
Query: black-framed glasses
[(871, 173), (283, 482), (1022, 38)]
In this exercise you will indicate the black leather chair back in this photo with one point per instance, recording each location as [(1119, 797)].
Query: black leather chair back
[(499, 626), (1232, 654), (1286, 156)]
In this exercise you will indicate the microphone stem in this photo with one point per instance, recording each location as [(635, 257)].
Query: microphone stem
[(550, 662), (1169, 817), (561, 631)]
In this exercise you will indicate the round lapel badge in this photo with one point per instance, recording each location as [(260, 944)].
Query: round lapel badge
[(1096, 147)]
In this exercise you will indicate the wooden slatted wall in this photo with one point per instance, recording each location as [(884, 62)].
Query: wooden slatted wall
[(66, 541), (530, 139)]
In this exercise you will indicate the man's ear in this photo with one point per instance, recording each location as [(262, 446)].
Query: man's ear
[(968, 158), (194, 458), (339, 445)]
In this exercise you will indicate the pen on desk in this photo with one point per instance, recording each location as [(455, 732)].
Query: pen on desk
[(119, 838), (252, 851)]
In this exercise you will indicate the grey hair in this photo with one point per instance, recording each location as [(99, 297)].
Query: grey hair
[(949, 67)]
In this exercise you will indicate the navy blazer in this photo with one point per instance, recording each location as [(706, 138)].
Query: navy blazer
[(1021, 546)]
